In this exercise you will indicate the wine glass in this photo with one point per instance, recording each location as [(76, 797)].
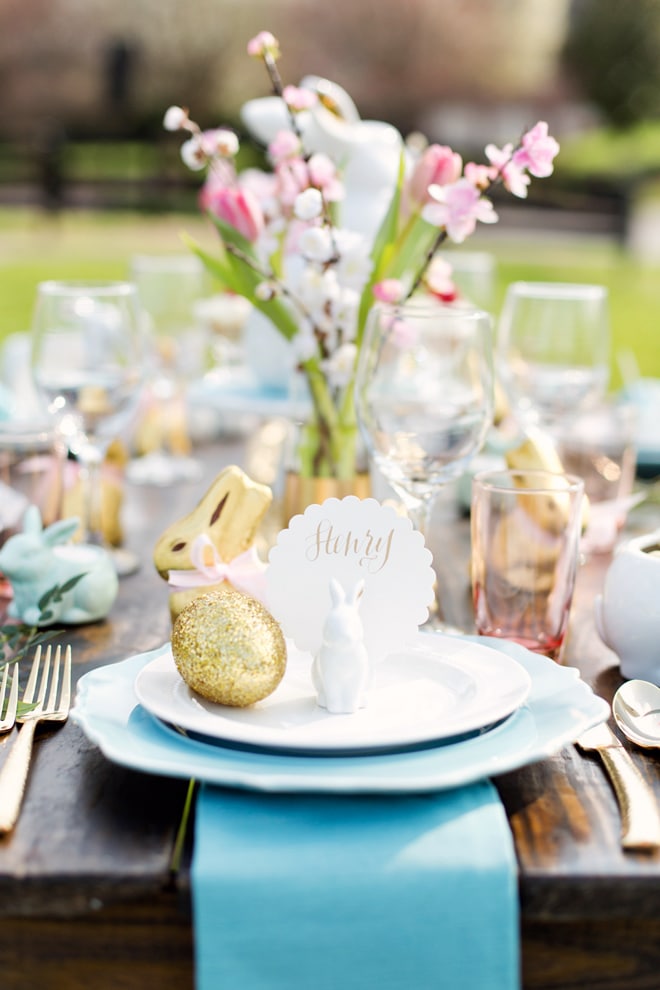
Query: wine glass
[(87, 367), (169, 287), (424, 396), (553, 348)]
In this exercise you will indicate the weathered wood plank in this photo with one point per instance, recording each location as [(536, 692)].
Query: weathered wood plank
[(597, 956), (142, 945)]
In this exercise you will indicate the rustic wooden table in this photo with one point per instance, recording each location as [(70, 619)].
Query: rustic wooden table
[(87, 895)]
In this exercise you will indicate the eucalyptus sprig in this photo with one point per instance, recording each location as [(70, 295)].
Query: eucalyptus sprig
[(17, 638)]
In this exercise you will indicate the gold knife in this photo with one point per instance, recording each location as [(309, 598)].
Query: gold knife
[(640, 816)]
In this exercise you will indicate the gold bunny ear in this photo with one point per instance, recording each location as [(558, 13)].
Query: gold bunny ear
[(229, 514)]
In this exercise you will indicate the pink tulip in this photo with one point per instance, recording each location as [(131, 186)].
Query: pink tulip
[(439, 166), (237, 207)]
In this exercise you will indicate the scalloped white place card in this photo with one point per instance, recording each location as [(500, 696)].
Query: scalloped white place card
[(351, 540)]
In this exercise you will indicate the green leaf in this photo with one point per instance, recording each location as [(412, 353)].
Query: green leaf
[(56, 593), (17, 638), (47, 598), (238, 276), (230, 235), (417, 242), (22, 708), (389, 227), (382, 249), (33, 639), (72, 582)]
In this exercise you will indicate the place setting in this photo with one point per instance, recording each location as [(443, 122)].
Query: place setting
[(440, 710)]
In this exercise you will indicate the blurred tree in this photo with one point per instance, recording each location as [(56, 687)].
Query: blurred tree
[(106, 68), (397, 59), (613, 53)]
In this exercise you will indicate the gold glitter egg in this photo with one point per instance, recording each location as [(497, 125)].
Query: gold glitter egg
[(229, 648)]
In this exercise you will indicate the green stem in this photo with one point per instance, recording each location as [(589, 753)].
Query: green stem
[(328, 445), (179, 842), (440, 238)]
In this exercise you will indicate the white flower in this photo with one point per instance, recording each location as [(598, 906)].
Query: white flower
[(193, 154), (304, 343), (308, 204), (340, 365), (354, 264), (345, 312), (265, 291), (220, 141), (318, 290), (316, 244), (175, 119)]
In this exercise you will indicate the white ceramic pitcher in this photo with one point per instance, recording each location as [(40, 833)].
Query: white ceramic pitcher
[(628, 611)]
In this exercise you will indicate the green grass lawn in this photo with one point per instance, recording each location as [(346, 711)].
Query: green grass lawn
[(34, 247)]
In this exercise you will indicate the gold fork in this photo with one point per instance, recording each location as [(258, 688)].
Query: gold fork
[(7, 722), (55, 708)]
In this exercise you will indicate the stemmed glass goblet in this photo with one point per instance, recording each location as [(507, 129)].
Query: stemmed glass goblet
[(169, 288), (424, 396), (87, 367), (553, 345)]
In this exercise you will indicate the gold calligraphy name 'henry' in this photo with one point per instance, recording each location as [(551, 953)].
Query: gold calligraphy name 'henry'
[(371, 550)]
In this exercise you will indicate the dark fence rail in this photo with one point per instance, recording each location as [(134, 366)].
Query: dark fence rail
[(135, 175), (149, 176)]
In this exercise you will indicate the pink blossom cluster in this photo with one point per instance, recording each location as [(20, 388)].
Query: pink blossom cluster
[(451, 194), (288, 212), (252, 202)]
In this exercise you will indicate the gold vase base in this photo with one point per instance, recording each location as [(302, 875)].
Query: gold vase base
[(299, 492)]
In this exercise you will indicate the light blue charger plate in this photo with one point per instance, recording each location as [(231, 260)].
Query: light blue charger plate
[(559, 707)]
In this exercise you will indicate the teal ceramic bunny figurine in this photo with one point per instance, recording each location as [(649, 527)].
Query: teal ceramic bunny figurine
[(37, 559)]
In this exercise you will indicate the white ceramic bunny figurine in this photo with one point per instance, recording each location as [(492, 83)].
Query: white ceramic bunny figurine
[(36, 560), (340, 671)]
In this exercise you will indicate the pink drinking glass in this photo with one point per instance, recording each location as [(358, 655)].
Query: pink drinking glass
[(525, 551)]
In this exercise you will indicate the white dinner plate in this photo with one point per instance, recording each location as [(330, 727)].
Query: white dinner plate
[(559, 707), (438, 688)]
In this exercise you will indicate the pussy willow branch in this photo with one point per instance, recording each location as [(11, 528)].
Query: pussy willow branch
[(269, 276), (278, 90)]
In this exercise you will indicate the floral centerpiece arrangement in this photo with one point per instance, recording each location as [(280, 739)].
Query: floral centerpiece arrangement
[(348, 215)]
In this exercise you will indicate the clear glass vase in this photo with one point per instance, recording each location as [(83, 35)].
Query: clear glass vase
[(321, 462)]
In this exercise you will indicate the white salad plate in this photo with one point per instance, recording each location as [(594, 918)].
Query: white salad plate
[(558, 708), (438, 688)]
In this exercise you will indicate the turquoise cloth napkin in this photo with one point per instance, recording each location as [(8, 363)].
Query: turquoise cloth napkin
[(294, 892)]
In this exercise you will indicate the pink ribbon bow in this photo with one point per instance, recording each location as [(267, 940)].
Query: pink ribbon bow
[(246, 573)]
